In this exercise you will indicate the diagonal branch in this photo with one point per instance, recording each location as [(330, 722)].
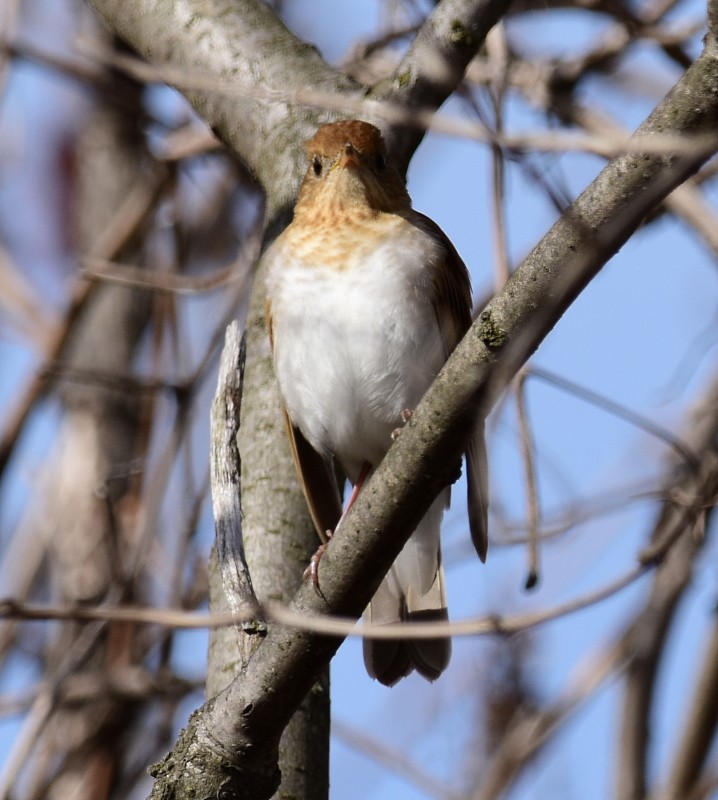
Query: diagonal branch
[(507, 332)]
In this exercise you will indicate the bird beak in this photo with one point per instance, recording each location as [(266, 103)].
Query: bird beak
[(350, 157)]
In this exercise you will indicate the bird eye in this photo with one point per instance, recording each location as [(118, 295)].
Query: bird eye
[(381, 162), (317, 166)]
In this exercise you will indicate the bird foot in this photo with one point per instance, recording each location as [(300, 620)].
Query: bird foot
[(311, 573), (406, 415)]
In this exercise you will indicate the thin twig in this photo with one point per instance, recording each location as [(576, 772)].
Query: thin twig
[(325, 624), (606, 145)]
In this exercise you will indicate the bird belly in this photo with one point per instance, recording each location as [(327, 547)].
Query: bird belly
[(354, 348)]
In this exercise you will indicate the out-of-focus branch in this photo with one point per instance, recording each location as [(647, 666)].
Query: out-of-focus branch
[(87, 491), (699, 729), (395, 761), (524, 740), (528, 456), (434, 65), (690, 498), (125, 223), (682, 519), (553, 88)]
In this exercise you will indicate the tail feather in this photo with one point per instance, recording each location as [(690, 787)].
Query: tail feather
[(417, 563), (386, 660), (478, 490), (412, 591)]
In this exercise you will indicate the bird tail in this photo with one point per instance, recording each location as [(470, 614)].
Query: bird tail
[(413, 591)]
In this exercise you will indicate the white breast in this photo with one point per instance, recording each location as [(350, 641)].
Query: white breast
[(355, 347)]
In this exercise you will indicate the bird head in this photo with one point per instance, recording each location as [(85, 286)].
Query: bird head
[(349, 171)]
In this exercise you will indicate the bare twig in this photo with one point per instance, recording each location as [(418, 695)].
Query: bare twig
[(699, 728), (322, 624), (124, 224)]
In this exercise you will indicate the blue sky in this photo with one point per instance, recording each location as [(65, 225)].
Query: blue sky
[(636, 335)]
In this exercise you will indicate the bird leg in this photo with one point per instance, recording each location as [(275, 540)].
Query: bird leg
[(363, 472), (406, 415), (312, 570)]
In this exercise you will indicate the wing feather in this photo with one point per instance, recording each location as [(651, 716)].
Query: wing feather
[(317, 480), (452, 302)]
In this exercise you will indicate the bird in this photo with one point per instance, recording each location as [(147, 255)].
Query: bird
[(365, 300)]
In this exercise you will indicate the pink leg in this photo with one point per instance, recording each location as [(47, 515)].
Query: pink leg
[(363, 472), (312, 571)]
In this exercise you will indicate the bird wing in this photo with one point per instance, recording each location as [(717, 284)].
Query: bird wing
[(315, 473), (452, 302), (317, 481)]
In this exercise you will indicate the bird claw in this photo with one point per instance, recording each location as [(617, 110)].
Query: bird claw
[(311, 573), (406, 415)]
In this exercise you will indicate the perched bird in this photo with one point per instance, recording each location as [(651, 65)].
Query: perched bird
[(366, 299)]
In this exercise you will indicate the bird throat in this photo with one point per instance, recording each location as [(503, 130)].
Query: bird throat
[(340, 237), (342, 217), (338, 199)]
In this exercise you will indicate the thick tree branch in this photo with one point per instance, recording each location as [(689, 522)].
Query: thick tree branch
[(507, 332)]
